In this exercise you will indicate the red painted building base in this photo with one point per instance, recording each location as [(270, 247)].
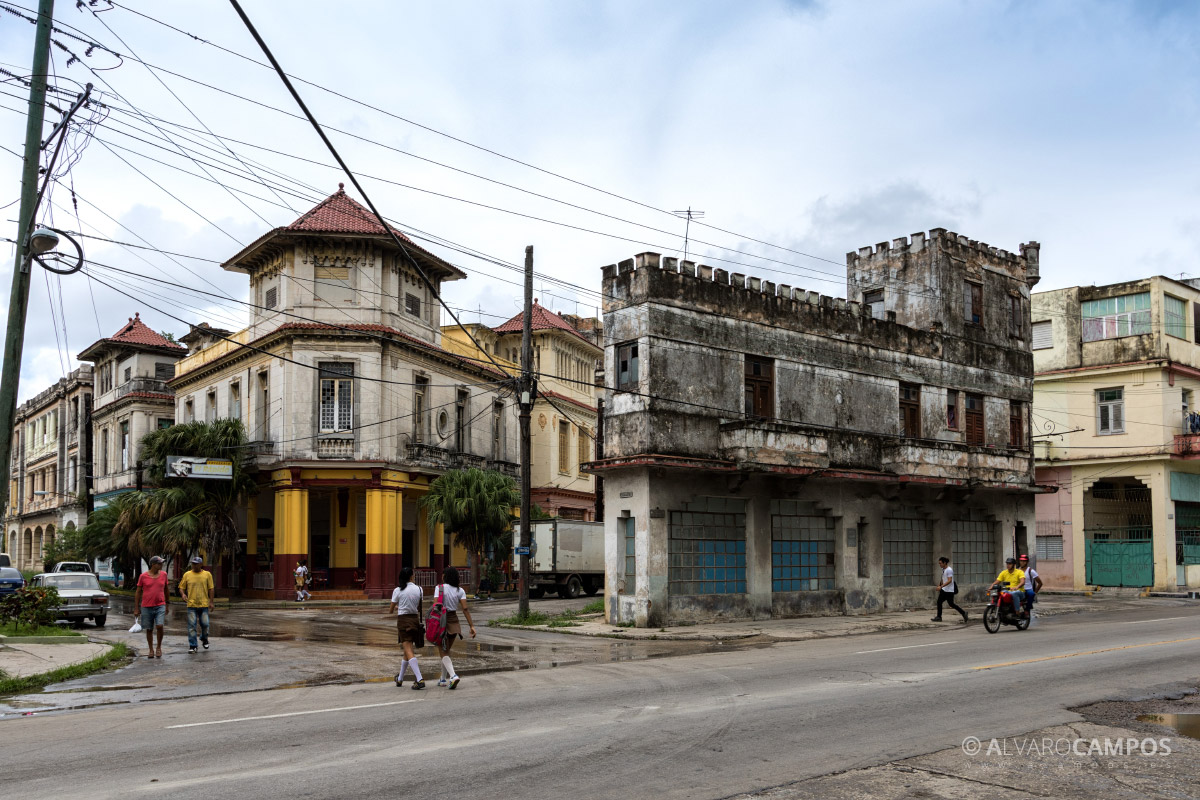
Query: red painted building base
[(382, 569)]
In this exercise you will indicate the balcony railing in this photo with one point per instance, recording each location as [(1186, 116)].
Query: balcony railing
[(143, 385), (428, 455), (507, 467), (467, 461), (1187, 444), (335, 448)]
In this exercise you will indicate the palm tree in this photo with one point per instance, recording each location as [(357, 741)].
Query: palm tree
[(114, 531), (476, 506), (184, 514)]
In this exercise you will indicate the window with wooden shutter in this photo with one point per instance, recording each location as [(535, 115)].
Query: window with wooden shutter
[(1016, 322), (760, 387), (272, 298), (1016, 425), (873, 300), (564, 447), (627, 367), (1110, 411), (1043, 335), (972, 303), (910, 410), (974, 419), (952, 409)]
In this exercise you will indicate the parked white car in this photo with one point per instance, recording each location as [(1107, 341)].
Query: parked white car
[(81, 595)]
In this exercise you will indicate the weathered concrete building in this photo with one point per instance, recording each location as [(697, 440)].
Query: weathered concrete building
[(132, 398), (46, 490), (351, 402), (772, 452), (1117, 370)]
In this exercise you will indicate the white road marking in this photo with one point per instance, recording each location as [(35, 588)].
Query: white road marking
[(908, 647), (290, 714), (1161, 619)]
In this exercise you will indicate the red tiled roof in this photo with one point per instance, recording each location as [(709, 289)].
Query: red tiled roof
[(570, 400), (541, 319), (340, 213), (136, 332)]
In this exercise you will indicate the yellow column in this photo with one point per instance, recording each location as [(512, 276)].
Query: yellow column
[(382, 546), (439, 549), (291, 535)]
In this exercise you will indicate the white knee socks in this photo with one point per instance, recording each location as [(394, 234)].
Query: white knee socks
[(448, 668), (412, 662), (403, 667)]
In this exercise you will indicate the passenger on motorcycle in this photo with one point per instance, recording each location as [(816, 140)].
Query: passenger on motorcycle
[(1014, 579), (1033, 583)]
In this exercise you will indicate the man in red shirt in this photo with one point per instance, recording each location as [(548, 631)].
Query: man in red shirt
[(151, 602)]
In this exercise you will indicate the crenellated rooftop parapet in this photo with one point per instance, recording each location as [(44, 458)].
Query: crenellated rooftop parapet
[(954, 243), (736, 280)]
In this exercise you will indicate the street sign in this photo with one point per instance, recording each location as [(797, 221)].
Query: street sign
[(521, 551), (199, 467)]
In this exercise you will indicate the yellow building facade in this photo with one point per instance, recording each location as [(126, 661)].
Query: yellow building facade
[(1116, 430)]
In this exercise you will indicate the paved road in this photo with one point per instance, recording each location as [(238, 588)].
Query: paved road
[(694, 726)]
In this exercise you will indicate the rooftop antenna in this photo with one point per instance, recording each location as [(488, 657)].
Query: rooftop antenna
[(690, 215)]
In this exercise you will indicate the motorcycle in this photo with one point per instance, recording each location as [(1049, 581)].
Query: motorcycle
[(999, 611)]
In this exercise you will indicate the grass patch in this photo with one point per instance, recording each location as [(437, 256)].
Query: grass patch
[(13, 629), (594, 607), (30, 682), (562, 623), (532, 618)]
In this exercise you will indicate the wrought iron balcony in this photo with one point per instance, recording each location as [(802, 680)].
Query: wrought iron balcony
[(153, 385)]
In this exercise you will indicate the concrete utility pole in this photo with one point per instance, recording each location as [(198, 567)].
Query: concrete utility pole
[(18, 302), (527, 396)]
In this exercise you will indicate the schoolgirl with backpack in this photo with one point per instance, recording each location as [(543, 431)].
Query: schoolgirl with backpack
[(442, 626)]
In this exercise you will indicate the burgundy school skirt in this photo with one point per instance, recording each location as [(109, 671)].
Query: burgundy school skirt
[(453, 628), (408, 628)]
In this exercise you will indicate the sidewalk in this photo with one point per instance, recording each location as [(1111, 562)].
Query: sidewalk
[(22, 660), (802, 628)]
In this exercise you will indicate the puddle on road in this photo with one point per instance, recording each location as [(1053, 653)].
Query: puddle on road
[(1187, 724)]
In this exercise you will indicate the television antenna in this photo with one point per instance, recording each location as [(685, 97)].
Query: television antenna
[(690, 215)]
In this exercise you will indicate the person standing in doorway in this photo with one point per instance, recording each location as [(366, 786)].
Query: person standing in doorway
[(406, 605), (455, 600), (196, 589), (947, 589), (302, 592), (151, 601)]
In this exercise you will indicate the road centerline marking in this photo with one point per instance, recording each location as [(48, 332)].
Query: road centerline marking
[(1088, 653), (289, 714), (1160, 619), (906, 647)]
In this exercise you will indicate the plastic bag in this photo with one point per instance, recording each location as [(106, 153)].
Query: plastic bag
[(137, 627)]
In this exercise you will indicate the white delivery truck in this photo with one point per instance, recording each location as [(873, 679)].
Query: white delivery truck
[(565, 556)]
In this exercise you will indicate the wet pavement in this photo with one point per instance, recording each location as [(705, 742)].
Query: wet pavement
[(255, 649)]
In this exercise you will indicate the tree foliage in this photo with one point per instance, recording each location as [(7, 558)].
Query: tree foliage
[(177, 515), (475, 505)]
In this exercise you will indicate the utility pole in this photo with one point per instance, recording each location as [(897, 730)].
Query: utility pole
[(528, 393), (18, 302)]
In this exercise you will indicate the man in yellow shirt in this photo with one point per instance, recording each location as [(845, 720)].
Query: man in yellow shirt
[(1014, 577), (196, 589)]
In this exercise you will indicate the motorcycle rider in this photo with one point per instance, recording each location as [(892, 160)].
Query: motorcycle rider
[(1014, 578), (1033, 584)]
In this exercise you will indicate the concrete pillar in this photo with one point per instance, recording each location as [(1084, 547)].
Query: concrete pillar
[(759, 586), (383, 547), (1075, 530), (291, 537), (421, 557), (1163, 530), (251, 558), (653, 613)]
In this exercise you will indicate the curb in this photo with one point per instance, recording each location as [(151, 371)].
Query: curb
[(7, 640)]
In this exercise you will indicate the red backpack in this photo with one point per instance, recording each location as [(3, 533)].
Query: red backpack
[(435, 623)]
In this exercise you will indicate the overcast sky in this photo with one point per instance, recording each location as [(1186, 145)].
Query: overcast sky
[(800, 127)]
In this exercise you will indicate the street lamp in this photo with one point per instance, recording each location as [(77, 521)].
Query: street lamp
[(42, 240)]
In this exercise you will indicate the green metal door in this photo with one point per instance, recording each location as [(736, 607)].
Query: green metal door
[(1119, 563)]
